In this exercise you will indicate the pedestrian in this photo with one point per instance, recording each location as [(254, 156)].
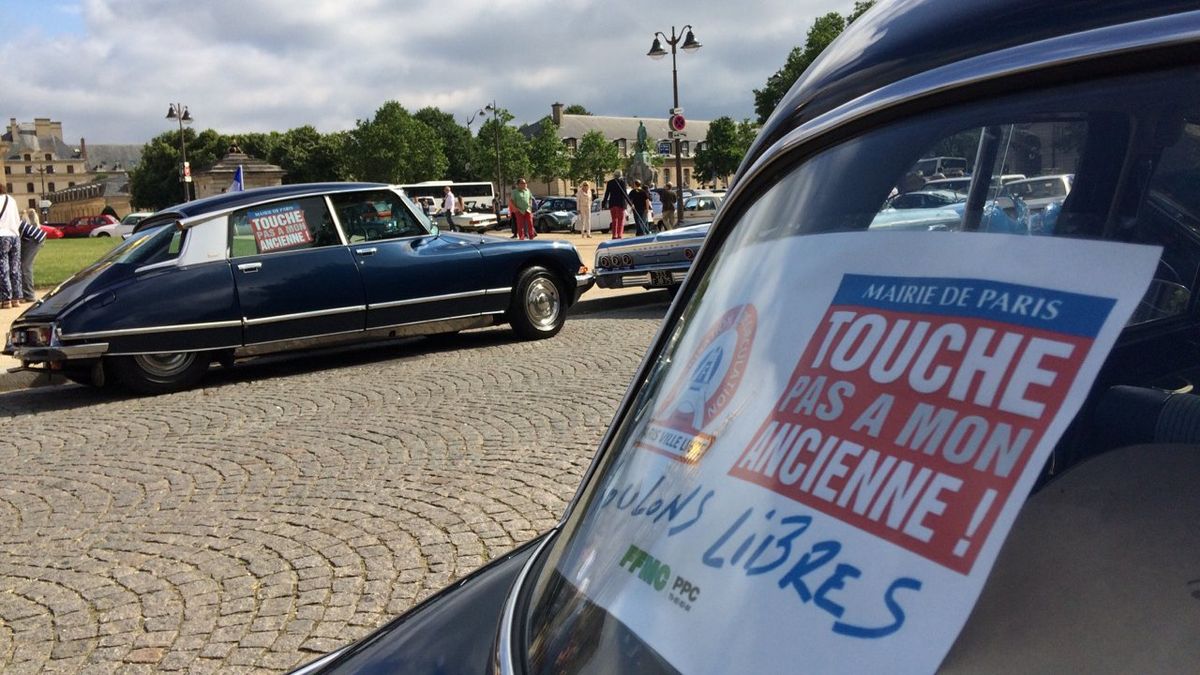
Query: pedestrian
[(450, 206), (520, 208), (639, 199), (32, 238), (10, 250), (670, 200), (583, 203), (615, 200)]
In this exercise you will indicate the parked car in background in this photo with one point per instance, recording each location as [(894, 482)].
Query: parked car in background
[(555, 213), (121, 229), (52, 232), (602, 220), (247, 273), (84, 225), (1041, 191), (926, 199), (659, 260), (755, 504), (700, 208)]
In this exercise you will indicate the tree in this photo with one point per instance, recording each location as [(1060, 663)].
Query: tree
[(721, 152), (155, 182), (514, 153), (394, 147), (823, 32), (595, 157), (548, 156), (575, 109), (456, 142), (309, 156)]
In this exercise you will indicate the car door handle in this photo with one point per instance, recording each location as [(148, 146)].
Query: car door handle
[(250, 267), (366, 251)]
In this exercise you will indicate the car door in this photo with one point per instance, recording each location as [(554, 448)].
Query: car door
[(295, 277), (409, 275)]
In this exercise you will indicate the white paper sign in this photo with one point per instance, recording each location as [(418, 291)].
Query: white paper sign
[(837, 448)]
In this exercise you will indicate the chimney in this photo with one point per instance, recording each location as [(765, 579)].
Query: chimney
[(556, 113), (83, 150)]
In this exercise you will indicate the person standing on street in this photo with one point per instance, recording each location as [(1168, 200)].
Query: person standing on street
[(32, 238), (639, 199), (520, 207), (615, 200), (583, 204), (10, 250), (669, 200), (450, 206)]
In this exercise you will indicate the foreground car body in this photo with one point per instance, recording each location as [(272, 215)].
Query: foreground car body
[(659, 260), (276, 269), (733, 520)]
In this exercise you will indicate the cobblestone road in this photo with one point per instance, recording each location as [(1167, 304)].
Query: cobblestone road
[(293, 506)]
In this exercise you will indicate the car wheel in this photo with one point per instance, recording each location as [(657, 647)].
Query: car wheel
[(537, 310), (159, 373), (102, 234)]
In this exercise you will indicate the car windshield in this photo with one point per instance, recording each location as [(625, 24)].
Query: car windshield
[(656, 568), (146, 247)]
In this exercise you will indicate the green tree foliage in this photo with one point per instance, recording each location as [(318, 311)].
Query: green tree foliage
[(823, 32), (514, 152), (394, 147), (155, 182), (456, 142), (595, 156), (309, 156), (575, 109), (722, 150), (548, 157)]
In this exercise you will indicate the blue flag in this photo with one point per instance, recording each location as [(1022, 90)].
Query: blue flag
[(238, 185)]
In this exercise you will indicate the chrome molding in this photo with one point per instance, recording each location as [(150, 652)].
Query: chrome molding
[(505, 658), (428, 298), (382, 333), (302, 315), (498, 291), (151, 329)]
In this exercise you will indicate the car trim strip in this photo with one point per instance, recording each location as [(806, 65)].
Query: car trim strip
[(151, 329), (428, 298), (498, 291), (505, 657), (302, 315)]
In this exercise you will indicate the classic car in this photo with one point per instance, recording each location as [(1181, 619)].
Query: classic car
[(555, 213), (1040, 191), (83, 226), (654, 261), (121, 229), (701, 208), (602, 219), (273, 269), (735, 520), (926, 199)]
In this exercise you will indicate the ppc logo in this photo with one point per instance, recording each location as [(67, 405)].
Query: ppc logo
[(682, 425)]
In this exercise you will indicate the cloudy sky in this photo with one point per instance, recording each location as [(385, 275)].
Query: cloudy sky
[(109, 68)]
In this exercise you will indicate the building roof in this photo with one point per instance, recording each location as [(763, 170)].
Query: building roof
[(27, 140), (113, 157), (114, 185), (235, 158)]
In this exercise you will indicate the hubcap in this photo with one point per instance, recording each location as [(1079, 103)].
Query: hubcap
[(542, 303), (165, 365)]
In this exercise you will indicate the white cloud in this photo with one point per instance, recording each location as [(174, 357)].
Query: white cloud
[(260, 65)]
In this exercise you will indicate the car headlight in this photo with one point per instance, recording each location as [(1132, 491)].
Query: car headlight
[(31, 336)]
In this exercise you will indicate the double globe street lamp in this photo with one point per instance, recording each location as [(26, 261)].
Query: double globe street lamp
[(179, 112), (657, 52), (500, 194)]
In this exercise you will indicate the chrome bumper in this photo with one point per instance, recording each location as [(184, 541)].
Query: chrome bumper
[(91, 350), (584, 283)]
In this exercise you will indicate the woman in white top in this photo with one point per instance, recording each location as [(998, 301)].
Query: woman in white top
[(583, 203), (10, 251)]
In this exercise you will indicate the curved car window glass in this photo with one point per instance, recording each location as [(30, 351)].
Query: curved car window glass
[(1134, 147), (377, 214), (281, 226), (155, 245)]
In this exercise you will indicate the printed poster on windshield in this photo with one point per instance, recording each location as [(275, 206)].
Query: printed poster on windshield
[(838, 465)]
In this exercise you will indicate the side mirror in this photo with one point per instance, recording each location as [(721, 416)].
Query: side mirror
[(434, 230)]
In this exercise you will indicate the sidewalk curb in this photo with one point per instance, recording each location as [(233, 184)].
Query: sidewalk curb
[(28, 380)]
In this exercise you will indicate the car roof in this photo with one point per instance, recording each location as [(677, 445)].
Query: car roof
[(882, 47), (233, 200)]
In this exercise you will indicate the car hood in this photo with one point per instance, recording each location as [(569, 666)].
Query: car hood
[(82, 285)]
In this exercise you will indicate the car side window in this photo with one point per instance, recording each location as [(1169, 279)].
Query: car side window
[(288, 225), (375, 215)]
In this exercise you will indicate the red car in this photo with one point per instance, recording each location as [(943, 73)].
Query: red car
[(83, 225), (52, 232)]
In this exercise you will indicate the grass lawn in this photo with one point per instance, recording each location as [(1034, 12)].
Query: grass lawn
[(60, 258)]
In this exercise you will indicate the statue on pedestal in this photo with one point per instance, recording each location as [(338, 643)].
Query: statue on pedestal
[(639, 166)]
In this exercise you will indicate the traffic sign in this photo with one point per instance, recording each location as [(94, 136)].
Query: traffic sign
[(676, 134), (675, 111), (677, 123), (664, 147)]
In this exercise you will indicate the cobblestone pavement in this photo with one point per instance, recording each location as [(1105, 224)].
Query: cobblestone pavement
[(289, 506)]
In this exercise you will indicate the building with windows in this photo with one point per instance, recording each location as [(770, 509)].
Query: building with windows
[(622, 132), (39, 166)]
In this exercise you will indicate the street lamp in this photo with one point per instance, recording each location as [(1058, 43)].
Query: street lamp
[(492, 108), (657, 52), (179, 112)]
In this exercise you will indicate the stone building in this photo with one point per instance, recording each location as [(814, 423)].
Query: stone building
[(39, 166), (622, 132), (256, 173)]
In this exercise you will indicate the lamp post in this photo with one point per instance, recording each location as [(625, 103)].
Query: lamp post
[(179, 112), (657, 52), (492, 108)]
